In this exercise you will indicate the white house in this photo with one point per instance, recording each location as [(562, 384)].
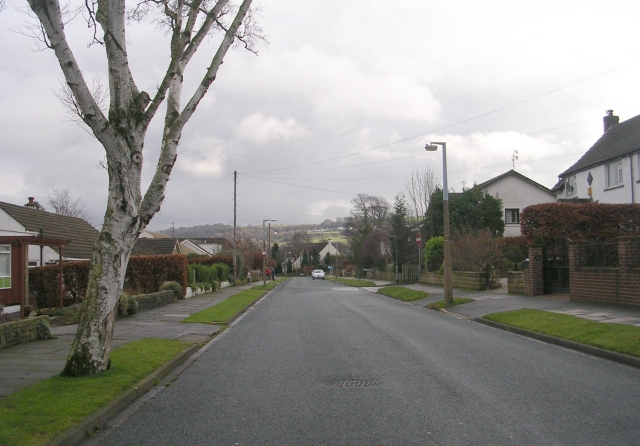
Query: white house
[(516, 192), (609, 172)]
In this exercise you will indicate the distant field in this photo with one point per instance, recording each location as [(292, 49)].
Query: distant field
[(335, 236)]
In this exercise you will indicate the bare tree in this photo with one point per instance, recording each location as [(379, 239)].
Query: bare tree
[(299, 240), (122, 132), (420, 186), (62, 204)]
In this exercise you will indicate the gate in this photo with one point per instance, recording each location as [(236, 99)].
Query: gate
[(556, 268)]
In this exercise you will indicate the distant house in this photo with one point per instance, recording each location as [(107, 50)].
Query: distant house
[(609, 172), (16, 220), (516, 192), (155, 247), (149, 234), (206, 246)]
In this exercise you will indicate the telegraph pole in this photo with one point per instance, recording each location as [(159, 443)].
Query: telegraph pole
[(235, 203)]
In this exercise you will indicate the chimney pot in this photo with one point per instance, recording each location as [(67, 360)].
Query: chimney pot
[(610, 120), (31, 199)]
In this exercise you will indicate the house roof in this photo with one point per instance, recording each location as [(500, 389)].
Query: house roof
[(513, 173), (206, 240), (81, 233), (619, 140), (155, 247)]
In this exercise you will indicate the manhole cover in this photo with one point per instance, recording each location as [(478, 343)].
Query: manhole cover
[(356, 382)]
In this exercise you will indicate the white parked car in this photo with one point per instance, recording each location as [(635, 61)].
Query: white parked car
[(317, 274)]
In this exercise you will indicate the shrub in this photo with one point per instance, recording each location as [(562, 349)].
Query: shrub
[(173, 286), (434, 253), (223, 271)]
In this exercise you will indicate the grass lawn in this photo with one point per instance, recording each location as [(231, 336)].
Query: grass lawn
[(38, 413), (351, 282), (456, 301), (402, 293), (616, 337), (224, 311)]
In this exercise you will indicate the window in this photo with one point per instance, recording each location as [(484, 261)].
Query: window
[(5, 266), (512, 216), (614, 174), (570, 189)]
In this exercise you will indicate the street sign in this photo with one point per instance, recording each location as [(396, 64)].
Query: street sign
[(418, 239)]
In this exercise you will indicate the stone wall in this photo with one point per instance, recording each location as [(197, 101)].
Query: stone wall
[(25, 330), (515, 282), (461, 279), (154, 300)]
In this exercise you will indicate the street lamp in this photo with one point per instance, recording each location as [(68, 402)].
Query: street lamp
[(264, 249), (448, 280)]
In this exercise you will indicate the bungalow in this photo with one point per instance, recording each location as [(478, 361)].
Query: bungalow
[(609, 171), (27, 220), (516, 192)]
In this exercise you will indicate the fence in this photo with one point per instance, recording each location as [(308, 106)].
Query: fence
[(598, 255), (409, 273)]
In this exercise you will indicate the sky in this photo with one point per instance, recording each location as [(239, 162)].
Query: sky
[(341, 101)]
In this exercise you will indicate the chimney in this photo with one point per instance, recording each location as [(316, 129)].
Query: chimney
[(610, 120)]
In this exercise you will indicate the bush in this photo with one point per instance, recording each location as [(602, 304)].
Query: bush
[(173, 286), (434, 253)]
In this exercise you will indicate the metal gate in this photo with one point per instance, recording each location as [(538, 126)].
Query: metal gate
[(556, 268)]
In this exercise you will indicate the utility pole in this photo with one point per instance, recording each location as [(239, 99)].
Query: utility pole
[(235, 203)]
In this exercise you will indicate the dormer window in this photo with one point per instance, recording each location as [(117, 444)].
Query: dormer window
[(614, 174), (570, 189)]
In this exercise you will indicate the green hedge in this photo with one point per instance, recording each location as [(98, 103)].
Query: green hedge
[(145, 274)]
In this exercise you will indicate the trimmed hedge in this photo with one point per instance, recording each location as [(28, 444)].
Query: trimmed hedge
[(145, 274), (550, 222)]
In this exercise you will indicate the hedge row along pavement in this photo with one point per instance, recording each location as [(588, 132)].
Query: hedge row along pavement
[(548, 223), (144, 275)]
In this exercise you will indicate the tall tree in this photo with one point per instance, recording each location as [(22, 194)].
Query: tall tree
[(299, 240), (368, 213), (401, 231), (122, 132), (62, 204), (420, 187)]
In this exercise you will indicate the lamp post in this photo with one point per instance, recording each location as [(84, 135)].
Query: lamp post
[(448, 280), (264, 249)]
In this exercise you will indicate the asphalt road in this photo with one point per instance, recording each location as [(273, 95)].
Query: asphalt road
[(314, 363)]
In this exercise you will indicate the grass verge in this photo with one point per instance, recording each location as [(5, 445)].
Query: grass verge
[(456, 301), (226, 310), (615, 337), (351, 282), (38, 413), (402, 293)]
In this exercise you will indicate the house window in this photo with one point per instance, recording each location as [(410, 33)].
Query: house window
[(512, 216), (570, 189), (614, 174), (5, 266)]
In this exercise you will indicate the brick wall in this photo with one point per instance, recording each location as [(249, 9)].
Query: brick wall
[(515, 282), (25, 330), (616, 286), (534, 274)]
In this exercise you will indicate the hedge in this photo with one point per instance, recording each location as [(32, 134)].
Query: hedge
[(550, 222), (145, 274)]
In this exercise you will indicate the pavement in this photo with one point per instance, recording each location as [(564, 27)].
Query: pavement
[(26, 364)]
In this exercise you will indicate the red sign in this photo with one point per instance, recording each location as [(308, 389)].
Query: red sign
[(418, 239)]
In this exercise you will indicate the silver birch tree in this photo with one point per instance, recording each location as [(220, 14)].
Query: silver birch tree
[(122, 132)]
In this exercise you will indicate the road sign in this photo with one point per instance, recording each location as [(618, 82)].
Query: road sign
[(418, 239)]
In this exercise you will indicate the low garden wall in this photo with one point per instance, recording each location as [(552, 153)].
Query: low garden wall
[(461, 279), (154, 300), (25, 330), (515, 282)]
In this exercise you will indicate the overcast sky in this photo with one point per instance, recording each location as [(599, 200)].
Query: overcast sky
[(341, 102)]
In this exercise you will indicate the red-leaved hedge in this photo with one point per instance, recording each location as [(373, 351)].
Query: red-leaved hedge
[(144, 275), (550, 222)]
